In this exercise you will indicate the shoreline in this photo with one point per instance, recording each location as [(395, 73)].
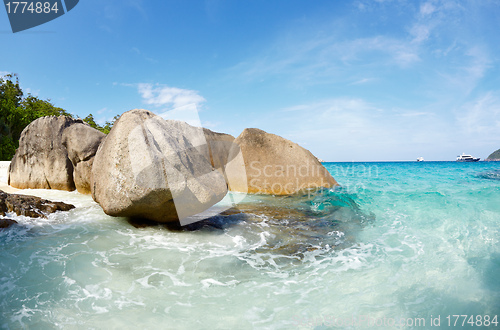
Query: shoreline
[(4, 176)]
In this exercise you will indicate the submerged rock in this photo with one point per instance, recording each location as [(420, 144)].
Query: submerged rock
[(273, 165), (55, 153), (293, 225), (148, 168), (30, 206), (6, 223), (491, 175)]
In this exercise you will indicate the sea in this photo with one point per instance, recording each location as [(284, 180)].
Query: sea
[(400, 245)]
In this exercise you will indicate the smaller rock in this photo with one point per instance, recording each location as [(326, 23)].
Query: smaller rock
[(6, 223), (30, 206), (81, 142)]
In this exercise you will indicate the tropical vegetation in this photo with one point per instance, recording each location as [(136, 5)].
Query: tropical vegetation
[(18, 110)]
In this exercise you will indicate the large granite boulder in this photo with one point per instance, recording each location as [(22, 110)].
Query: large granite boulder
[(81, 142), (273, 165), (41, 161), (30, 206), (213, 145), (55, 153), (148, 168)]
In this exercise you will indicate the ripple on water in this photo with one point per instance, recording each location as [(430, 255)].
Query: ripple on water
[(76, 268)]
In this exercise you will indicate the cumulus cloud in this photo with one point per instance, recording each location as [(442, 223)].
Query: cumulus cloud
[(171, 102), (160, 95)]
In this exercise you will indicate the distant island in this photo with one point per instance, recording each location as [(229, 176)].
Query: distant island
[(494, 157)]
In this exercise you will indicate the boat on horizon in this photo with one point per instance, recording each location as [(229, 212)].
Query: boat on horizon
[(420, 159), (467, 158)]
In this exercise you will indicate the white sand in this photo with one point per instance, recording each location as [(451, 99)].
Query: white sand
[(4, 176)]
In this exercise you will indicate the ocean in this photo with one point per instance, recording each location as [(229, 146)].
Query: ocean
[(401, 245)]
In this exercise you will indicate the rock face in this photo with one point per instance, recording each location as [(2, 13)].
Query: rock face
[(149, 168), (273, 165), (494, 156), (219, 146), (55, 153), (6, 223), (41, 161), (30, 206), (81, 142), (214, 146)]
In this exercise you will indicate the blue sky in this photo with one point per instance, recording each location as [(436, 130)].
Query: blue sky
[(348, 80)]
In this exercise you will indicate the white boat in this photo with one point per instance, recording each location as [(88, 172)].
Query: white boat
[(466, 158), (420, 159)]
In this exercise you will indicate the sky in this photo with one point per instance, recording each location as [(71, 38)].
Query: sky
[(364, 80)]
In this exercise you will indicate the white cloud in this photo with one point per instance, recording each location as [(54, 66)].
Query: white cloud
[(480, 118), (463, 79), (101, 111), (171, 97), (363, 81), (4, 73), (420, 33), (344, 129), (326, 59), (172, 102), (427, 9)]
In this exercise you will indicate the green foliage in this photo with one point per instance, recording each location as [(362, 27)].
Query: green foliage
[(107, 126), (16, 112)]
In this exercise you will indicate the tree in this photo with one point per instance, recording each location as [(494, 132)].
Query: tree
[(107, 126), (16, 112), (90, 120)]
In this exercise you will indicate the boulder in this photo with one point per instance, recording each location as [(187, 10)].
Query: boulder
[(81, 142), (55, 153), (273, 165), (6, 223), (41, 161), (213, 145), (219, 145), (148, 168), (30, 206)]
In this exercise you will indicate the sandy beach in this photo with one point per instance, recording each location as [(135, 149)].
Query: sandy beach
[(4, 176)]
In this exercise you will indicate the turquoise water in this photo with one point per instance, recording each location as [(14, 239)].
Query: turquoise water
[(399, 246)]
